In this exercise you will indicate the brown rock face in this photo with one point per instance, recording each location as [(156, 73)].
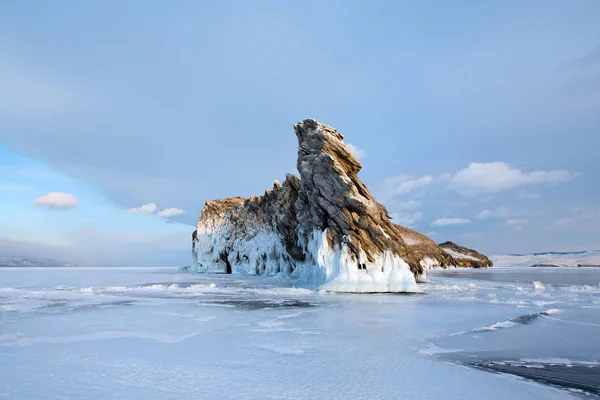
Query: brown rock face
[(324, 227), (465, 257), (332, 197), (424, 249), (215, 210)]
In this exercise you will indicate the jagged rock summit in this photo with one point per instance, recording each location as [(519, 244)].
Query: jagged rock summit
[(324, 227)]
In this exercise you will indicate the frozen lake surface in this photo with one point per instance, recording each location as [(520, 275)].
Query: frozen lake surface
[(148, 333)]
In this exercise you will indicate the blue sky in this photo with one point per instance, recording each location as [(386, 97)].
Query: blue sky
[(477, 122)]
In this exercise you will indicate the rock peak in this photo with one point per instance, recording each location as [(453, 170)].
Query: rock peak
[(324, 227), (317, 139)]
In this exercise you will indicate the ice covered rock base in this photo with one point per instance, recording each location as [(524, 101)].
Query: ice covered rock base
[(324, 228)]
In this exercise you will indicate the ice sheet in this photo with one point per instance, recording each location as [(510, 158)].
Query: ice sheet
[(164, 334)]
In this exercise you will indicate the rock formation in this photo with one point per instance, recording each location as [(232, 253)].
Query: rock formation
[(324, 227), (465, 257)]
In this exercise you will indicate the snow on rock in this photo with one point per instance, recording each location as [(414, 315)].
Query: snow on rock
[(466, 257), (456, 254), (323, 227)]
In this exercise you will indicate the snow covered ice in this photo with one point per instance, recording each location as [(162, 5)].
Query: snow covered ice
[(143, 333)]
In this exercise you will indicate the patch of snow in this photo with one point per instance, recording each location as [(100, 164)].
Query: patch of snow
[(557, 361), (433, 349), (584, 288), (411, 241), (430, 263), (553, 311), (496, 326), (456, 254), (283, 350), (537, 285), (384, 233)]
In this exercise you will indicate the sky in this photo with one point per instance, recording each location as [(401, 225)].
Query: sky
[(476, 122)]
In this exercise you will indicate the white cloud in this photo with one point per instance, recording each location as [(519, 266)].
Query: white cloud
[(151, 208), (56, 200), (145, 209), (487, 177), (357, 151), (517, 224), (525, 195), (402, 184), (405, 212), (431, 233), (409, 219), (500, 212), (497, 176), (450, 221), (403, 205), (485, 214), (580, 214), (170, 212)]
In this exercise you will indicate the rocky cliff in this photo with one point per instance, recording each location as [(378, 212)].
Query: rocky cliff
[(465, 257), (324, 227)]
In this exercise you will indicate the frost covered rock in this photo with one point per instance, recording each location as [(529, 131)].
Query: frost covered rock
[(324, 227), (466, 258)]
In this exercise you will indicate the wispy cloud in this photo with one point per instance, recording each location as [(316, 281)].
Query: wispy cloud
[(579, 215), (409, 219), (401, 184), (585, 74), (170, 212), (526, 195), (56, 200), (450, 221), (357, 151), (493, 177), (144, 209), (590, 59), (403, 205), (477, 178), (88, 247), (500, 212), (516, 224), (21, 248)]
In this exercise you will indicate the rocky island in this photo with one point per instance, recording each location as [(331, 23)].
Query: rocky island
[(323, 227)]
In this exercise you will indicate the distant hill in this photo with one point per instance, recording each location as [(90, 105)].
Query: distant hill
[(586, 258), (31, 262), (557, 253)]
